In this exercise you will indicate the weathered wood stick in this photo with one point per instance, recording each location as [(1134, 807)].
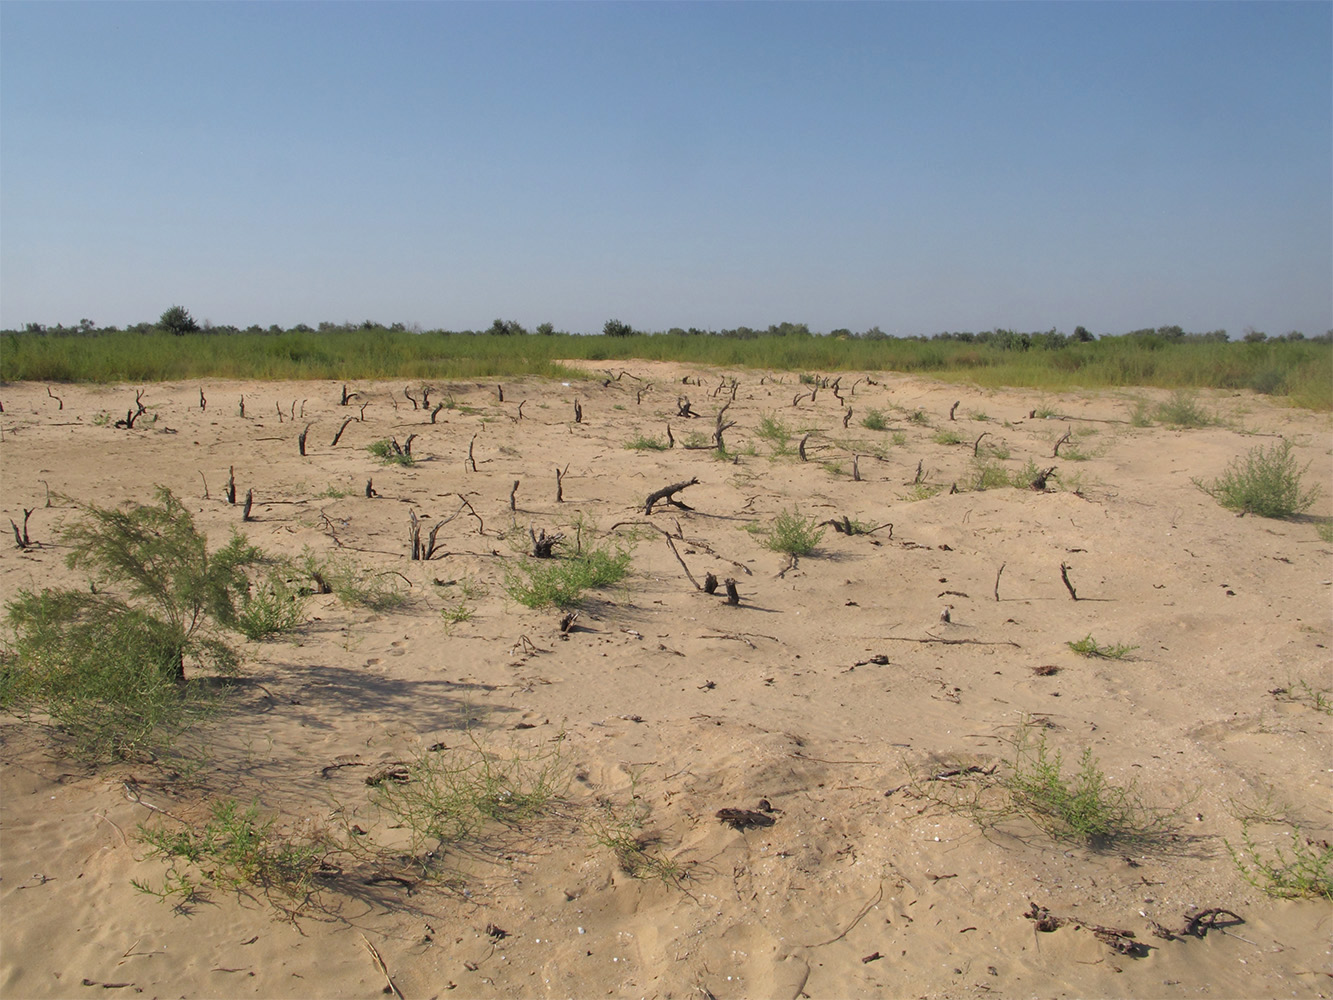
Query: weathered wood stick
[(334, 443), (1064, 575), (668, 493)]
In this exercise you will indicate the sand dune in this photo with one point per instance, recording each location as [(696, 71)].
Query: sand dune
[(834, 691)]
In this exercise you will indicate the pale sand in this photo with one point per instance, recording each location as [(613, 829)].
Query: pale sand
[(1222, 609)]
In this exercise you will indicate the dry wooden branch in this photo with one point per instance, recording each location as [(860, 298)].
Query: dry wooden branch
[(519, 415), (384, 969), (560, 483), (435, 412), (683, 408), (543, 544), (952, 409), (231, 484), (856, 468), (1039, 482), (203, 403), (801, 447), (249, 502), (1064, 575), (370, 489), (201, 476), (710, 583), (21, 539), (500, 393), (668, 493), (997, 581), (672, 546), (471, 462), (242, 406), (347, 397), (976, 445), (952, 642), (411, 399), (334, 443), (578, 412), (733, 595), (60, 402), (300, 440), (1055, 452), (513, 492), (361, 415)]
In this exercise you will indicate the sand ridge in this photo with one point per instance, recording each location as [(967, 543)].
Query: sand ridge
[(832, 691)]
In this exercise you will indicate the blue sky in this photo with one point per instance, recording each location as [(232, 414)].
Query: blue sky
[(916, 166)]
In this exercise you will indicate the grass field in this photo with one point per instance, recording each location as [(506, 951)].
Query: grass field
[(1299, 371)]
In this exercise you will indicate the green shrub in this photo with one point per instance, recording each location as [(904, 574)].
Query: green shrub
[(270, 608), (793, 534), (1305, 871), (874, 420), (645, 443), (1183, 410), (947, 437), (1083, 806), (390, 452), (539, 583), (1267, 482), (110, 669)]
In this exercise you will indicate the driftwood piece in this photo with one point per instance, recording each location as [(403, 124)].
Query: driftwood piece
[(231, 484), (683, 408), (846, 526), (710, 583), (60, 403), (249, 503), (721, 427), (741, 819), (242, 405), (1039, 482), (672, 546), (471, 462), (1055, 452), (203, 403), (543, 544), (801, 447), (361, 415), (412, 399), (346, 397), (953, 409), (976, 445), (334, 443), (500, 393), (370, 489), (560, 483), (578, 412), (1064, 576), (513, 492), (846, 418), (21, 538), (300, 440), (997, 581), (856, 468), (435, 412), (668, 493), (733, 595)]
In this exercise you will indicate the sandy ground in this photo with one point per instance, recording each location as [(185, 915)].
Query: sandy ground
[(834, 691)]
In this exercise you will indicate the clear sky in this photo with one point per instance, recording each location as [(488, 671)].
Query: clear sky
[(917, 166)]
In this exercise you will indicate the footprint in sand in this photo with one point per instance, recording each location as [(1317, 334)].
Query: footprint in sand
[(372, 661)]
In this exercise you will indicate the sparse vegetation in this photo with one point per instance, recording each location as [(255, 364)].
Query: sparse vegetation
[(1088, 646), (794, 535), (645, 443), (1084, 806), (540, 583), (386, 451), (1303, 870), (1183, 410), (947, 437), (1266, 482), (875, 420), (270, 608)]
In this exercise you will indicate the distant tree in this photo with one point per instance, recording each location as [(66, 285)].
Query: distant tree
[(1253, 336), (87, 326), (34, 328), (615, 328), (841, 333), (545, 329), (1082, 335), (874, 333), (506, 328), (177, 320), (254, 328)]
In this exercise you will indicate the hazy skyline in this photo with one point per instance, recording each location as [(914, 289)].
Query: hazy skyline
[(917, 167)]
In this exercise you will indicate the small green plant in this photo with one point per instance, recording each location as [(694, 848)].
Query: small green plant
[(353, 584), (793, 534), (947, 437), (990, 476), (456, 614), (1324, 529), (1088, 646), (451, 796), (102, 419), (1266, 481), (1084, 806), (1183, 410), (332, 492), (875, 420), (1303, 692), (918, 417), (540, 583), (899, 438), (776, 433), (237, 848), (644, 443), (1306, 870), (977, 415), (390, 452), (270, 608), (1140, 414), (1045, 411), (922, 491)]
